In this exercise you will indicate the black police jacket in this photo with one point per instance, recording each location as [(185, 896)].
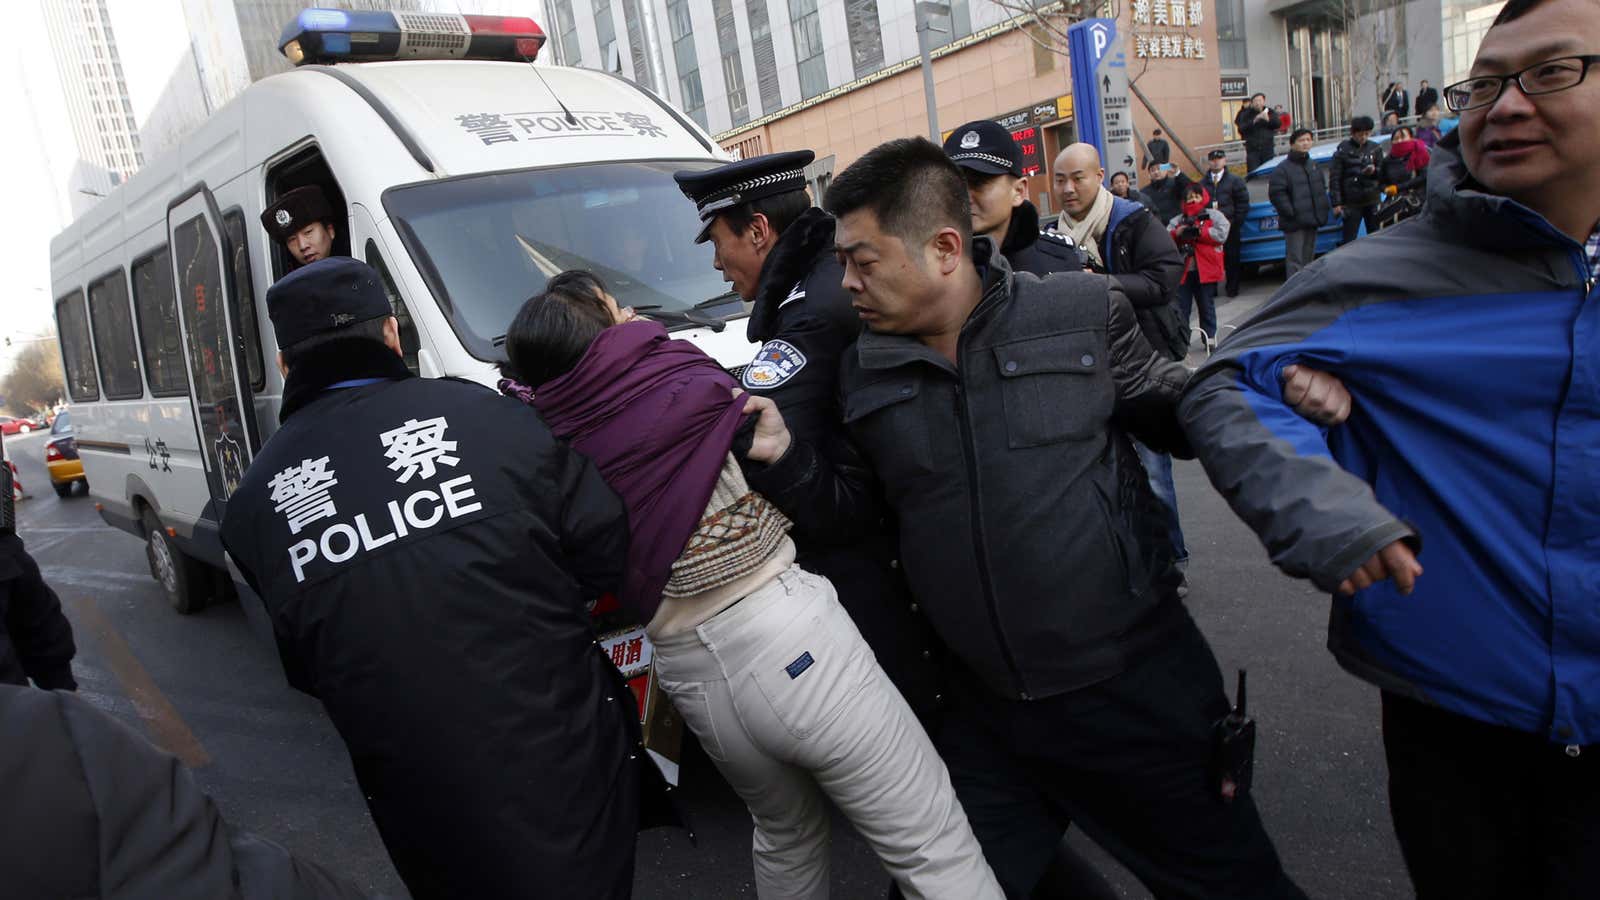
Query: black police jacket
[(1027, 249), (1231, 195), (842, 531), (35, 638), (1354, 173), (427, 552), (1021, 502)]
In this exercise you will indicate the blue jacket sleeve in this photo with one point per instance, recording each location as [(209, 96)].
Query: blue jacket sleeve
[(1274, 468)]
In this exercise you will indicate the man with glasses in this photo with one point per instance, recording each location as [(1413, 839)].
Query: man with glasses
[(1473, 448)]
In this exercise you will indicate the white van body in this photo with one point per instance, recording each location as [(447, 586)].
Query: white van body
[(577, 163)]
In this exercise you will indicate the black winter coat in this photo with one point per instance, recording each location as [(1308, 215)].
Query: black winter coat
[(1023, 509), (1427, 99), (93, 811), (35, 638), (1299, 194), (802, 306), (1145, 263), (1027, 249), (1231, 195), (435, 597), (1354, 173), (1167, 195), (1258, 134)]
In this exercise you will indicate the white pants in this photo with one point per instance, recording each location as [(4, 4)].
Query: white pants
[(791, 705)]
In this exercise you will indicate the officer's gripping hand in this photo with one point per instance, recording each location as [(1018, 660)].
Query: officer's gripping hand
[(772, 437), (1317, 396)]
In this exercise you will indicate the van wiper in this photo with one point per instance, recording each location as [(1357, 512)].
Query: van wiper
[(718, 300), (682, 317)]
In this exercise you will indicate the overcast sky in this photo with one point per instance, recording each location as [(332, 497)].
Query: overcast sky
[(39, 150)]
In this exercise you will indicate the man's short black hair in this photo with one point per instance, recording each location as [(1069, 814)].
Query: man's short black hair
[(1153, 164), (910, 185), (1260, 94), (1123, 174), (1360, 123), (370, 330), (780, 209), (1295, 135)]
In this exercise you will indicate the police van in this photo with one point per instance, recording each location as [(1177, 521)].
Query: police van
[(463, 173)]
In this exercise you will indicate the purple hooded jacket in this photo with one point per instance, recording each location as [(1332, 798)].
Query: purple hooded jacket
[(657, 417)]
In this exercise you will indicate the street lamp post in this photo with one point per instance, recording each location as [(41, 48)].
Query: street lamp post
[(926, 11)]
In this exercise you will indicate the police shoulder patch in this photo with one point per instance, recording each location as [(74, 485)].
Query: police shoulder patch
[(1056, 237), (775, 363)]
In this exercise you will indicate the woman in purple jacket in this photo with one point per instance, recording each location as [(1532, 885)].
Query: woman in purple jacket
[(758, 656)]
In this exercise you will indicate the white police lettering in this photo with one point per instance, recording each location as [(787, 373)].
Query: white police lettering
[(417, 446), (775, 363), (301, 493), (342, 541)]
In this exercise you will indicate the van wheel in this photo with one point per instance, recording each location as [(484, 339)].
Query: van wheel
[(181, 578), (63, 489)]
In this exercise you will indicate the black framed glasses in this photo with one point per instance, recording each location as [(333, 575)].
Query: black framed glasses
[(1546, 77)]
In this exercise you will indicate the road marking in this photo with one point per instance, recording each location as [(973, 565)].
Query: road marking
[(167, 728)]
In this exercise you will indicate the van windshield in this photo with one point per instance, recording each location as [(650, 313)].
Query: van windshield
[(486, 243)]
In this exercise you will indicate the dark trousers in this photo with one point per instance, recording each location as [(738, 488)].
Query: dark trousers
[(1485, 812), (1299, 249), (1230, 258), (1191, 292), (1255, 155), (1127, 760), (1354, 216)]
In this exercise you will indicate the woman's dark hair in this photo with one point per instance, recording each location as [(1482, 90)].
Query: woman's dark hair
[(1195, 189), (554, 328), (1295, 135)]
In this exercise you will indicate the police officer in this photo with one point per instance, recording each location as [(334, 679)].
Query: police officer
[(303, 221), (1001, 211), (777, 250), (427, 552)]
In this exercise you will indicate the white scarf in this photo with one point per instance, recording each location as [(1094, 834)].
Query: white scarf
[(1088, 232)]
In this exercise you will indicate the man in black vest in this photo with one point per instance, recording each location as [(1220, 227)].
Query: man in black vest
[(427, 553)]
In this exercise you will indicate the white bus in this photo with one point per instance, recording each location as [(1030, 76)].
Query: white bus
[(463, 173)]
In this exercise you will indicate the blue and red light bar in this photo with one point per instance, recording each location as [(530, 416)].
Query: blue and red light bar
[(337, 35)]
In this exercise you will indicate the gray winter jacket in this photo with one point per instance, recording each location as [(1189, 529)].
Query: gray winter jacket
[(92, 810), (1027, 527)]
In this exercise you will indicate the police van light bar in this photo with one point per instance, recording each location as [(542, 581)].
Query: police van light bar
[(337, 35)]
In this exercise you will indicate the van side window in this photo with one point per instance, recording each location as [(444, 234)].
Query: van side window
[(76, 352), (409, 343), (233, 226), (111, 320), (157, 312)]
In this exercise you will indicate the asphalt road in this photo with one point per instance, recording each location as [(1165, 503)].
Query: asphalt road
[(207, 689)]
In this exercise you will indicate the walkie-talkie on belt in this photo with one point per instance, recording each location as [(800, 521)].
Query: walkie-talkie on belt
[(1233, 751)]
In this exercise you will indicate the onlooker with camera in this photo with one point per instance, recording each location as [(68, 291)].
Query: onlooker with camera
[(1257, 127), (1200, 233), (1467, 336), (1354, 179), (1164, 186), (1407, 163), (1298, 190)]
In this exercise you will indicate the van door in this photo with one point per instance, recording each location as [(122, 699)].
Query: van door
[(213, 344)]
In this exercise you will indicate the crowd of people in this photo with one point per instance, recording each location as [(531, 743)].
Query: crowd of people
[(953, 419)]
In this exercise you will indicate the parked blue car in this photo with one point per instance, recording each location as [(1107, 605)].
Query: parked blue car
[(1260, 240)]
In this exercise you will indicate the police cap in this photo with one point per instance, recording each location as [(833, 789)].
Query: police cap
[(1218, 153), (326, 295), (295, 210), (714, 190), (984, 146)]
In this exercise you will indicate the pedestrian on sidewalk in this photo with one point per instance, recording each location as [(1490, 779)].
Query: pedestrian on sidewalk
[(1354, 179), (1455, 516), (1232, 198), (758, 656), (1299, 193), (1200, 233), (1122, 186), (1158, 148), (1164, 186), (1427, 99), (1257, 127)]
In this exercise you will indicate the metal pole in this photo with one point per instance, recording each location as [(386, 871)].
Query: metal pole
[(925, 13)]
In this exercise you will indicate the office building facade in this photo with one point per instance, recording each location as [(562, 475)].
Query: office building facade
[(96, 95)]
